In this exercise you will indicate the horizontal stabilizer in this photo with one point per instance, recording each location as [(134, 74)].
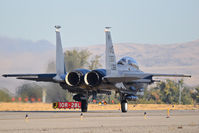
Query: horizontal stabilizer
[(36, 77), (171, 75), (139, 77)]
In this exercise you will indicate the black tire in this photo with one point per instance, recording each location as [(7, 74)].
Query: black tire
[(84, 105), (124, 106)]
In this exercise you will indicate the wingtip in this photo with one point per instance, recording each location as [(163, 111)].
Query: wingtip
[(4, 75), (188, 76)]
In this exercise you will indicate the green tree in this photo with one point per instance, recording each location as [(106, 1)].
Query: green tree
[(4, 96), (51, 68), (76, 59), (195, 95), (169, 92), (186, 96), (150, 96), (95, 63), (29, 90), (56, 94)]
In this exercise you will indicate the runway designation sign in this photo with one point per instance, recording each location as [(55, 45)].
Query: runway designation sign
[(67, 105)]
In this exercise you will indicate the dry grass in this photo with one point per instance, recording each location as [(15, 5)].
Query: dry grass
[(48, 107)]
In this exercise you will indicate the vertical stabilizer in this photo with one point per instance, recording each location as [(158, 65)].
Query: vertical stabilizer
[(111, 67), (60, 65)]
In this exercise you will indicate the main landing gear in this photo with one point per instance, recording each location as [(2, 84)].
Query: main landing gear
[(84, 105), (124, 106), (84, 101)]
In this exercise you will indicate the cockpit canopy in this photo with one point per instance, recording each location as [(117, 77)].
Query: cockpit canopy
[(128, 61)]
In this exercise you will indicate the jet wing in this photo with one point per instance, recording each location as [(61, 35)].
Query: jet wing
[(48, 77), (57, 77), (170, 75), (139, 77)]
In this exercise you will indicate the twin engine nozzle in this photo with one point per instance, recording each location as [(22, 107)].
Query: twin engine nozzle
[(81, 77), (74, 78)]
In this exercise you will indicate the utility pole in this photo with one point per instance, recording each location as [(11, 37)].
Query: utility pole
[(43, 95), (180, 91)]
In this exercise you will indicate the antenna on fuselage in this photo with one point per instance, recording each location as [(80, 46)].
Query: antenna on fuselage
[(107, 29), (57, 27)]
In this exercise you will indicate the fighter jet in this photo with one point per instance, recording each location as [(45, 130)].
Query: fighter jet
[(123, 77)]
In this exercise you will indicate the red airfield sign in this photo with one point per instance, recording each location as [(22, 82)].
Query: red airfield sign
[(65, 105)]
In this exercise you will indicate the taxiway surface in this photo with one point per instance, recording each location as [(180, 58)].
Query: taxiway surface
[(182, 121)]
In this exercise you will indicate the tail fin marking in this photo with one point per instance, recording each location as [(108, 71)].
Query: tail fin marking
[(111, 67), (60, 65)]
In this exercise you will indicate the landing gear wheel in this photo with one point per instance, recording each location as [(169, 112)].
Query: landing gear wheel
[(84, 105), (124, 106)]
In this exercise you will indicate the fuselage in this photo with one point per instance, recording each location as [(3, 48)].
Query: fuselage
[(126, 65), (129, 65)]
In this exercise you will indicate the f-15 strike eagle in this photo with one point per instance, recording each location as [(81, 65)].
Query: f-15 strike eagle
[(123, 77)]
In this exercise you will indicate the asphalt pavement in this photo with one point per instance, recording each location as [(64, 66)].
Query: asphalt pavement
[(182, 121)]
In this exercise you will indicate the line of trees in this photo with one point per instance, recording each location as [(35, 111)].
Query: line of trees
[(166, 92)]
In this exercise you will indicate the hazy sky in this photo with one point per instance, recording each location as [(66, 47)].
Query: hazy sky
[(83, 21)]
